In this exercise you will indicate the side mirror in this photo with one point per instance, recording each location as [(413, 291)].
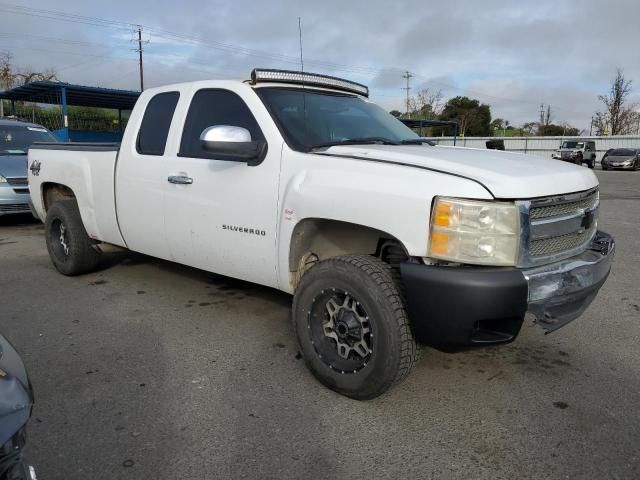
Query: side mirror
[(234, 144)]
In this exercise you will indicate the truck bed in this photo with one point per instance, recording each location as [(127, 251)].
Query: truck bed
[(88, 169)]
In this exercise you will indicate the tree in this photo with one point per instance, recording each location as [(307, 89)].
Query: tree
[(530, 128), (552, 130), (618, 117), (474, 118), (497, 124), (10, 77), (426, 104), (7, 78)]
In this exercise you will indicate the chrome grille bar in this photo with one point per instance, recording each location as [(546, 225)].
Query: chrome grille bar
[(554, 228)]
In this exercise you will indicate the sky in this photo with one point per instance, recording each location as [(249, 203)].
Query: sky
[(511, 55)]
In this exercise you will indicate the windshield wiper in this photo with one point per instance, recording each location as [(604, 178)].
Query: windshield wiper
[(357, 141), (416, 141)]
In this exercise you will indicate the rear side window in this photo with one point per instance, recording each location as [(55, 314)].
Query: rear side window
[(213, 107), (154, 129)]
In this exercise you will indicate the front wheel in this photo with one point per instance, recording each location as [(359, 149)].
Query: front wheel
[(352, 327), (71, 250), (578, 160)]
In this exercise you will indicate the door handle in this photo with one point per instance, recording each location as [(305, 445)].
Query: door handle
[(180, 179)]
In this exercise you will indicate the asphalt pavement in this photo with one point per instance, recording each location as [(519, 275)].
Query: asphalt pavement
[(151, 370)]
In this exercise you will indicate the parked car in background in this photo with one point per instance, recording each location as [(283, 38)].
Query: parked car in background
[(622, 159), (577, 151), (15, 138), (495, 144)]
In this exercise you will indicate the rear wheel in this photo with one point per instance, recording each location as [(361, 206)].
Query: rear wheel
[(352, 327), (71, 250)]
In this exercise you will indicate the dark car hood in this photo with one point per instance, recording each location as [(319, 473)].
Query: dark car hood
[(13, 165)]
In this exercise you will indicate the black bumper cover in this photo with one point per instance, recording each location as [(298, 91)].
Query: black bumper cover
[(459, 308), (455, 308)]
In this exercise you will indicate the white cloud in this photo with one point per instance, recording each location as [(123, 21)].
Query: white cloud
[(512, 56)]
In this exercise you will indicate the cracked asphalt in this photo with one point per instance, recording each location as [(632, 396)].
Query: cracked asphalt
[(148, 369)]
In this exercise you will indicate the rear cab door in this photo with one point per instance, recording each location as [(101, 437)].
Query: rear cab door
[(140, 174)]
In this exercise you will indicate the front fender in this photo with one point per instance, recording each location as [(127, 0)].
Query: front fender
[(395, 199)]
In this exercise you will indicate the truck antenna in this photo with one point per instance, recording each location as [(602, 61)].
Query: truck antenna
[(300, 38)]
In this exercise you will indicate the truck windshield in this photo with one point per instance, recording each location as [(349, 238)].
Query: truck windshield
[(15, 140), (569, 145), (310, 119)]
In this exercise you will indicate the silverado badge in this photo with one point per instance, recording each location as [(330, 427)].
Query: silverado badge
[(35, 168)]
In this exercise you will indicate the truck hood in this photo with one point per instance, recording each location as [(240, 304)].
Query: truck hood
[(505, 174), (13, 165)]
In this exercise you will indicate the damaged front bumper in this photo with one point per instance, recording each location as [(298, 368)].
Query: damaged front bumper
[(454, 308), (562, 291)]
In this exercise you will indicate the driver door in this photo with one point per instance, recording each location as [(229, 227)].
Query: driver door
[(221, 214)]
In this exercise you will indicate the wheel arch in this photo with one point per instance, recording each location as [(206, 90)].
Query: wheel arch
[(315, 239), (52, 192)]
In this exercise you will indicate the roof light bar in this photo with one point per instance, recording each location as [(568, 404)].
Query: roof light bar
[(311, 79)]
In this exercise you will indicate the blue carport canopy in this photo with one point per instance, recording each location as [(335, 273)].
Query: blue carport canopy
[(80, 95), (64, 94)]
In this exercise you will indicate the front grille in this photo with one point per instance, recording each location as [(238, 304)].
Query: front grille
[(18, 181), (566, 208), (14, 207), (558, 227), (559, 244)]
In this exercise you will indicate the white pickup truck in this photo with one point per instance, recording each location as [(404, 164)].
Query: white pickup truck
[(298, 182)]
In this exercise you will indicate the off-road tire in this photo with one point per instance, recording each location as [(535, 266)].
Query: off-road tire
[(82, 256), (375, 286), (578, 160)]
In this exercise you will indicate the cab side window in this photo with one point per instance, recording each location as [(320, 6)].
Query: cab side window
[(211, 107), (154, 129)]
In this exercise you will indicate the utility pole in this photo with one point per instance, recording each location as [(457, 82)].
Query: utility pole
[(591, 127), (139, 50), (541, 114), (407, 76)]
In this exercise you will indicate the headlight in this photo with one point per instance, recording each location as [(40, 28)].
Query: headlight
[(2, 179), (474, 232)]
